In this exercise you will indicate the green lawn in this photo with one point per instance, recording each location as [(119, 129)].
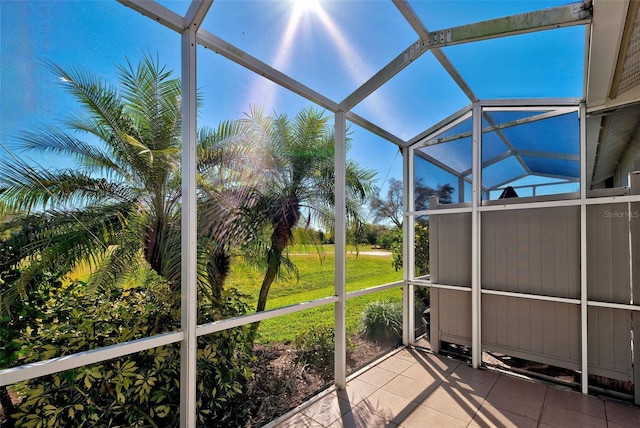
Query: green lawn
[(316, 280)]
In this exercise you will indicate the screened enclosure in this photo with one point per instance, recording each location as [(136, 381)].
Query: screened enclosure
[(515, 122)]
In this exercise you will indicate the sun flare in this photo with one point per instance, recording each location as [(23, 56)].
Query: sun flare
[(305, 5)]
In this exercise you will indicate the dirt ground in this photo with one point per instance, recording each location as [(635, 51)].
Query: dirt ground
[(281, 384)]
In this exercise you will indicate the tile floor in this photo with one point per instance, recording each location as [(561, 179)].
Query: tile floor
[(412, 388)]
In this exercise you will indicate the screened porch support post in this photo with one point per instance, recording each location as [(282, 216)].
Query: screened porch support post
[(408, 253), (476, 340), (189, 237), (584, 363), (340, 352)]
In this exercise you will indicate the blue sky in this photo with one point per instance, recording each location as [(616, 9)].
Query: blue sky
[(332, 49)]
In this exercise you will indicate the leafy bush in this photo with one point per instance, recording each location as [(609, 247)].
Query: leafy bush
[(421, 252), (382, 319), (316, 347), (140, 389)]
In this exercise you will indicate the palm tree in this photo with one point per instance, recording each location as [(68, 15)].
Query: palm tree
[(301, 171), (120, 210)]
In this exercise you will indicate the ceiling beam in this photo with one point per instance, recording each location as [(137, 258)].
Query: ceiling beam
[(158, 13), (504, 125), (375, 129), (242, 58), (562, 16), (196, 13)]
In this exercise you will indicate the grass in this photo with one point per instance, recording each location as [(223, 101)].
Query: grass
[(316, 280)]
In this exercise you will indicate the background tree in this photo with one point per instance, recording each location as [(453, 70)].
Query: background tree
[(120, 210), (301, 171), (390, 208)]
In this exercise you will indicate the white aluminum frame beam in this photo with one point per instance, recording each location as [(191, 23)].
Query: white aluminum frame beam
[(189, 235), (249, 62), (340, 350), (444, 125), (196, 13), (158, 13), (375, 129), (408, 243), (68, 362), (562, 16), (476, 245)]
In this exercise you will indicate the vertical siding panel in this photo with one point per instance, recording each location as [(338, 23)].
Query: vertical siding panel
[(560, 229), (512, 322), (537, 326), (465, 243), (548, 255), (604, 290), (593, 341), (548, 329), (592, 251), (575, 332), (511, 250), (464, 303), (522, 250), (535, 253), (622, 341), (488, 250), (500, 251), (573, 267), (619, 256), (607, 335), (489, 316), (524, 324), (501, 317)]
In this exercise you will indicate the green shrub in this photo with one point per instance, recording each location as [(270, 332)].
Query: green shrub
[(140, 389), (315, 347), (382, 319)]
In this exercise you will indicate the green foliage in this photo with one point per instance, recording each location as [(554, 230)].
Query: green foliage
[(316, 347), (139, 389), (383, 319), (421, 252), (388, 237)]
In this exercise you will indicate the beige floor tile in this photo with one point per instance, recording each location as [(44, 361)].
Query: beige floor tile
[(489, 416), (518, 385), (390, 406), (439, 363), (377, 376), (425, 372), (356, 391), (327, 409), (615, 425), (407, 354), (469, 374), (465, 385), (519, 397), (575, 401), (564, 418), (396, 364), (622, 414), (459, 404), (361, 417), (414, 390), (300, 420), (424, 416)]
